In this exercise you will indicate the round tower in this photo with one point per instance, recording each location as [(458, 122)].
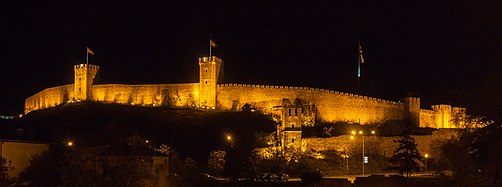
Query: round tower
[(84, 78), (209, 75)]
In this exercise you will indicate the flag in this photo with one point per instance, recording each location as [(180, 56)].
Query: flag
[(361, 54), (212, 44), (89, 51)]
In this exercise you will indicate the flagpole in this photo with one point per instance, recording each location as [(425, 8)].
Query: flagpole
[(359, 68), (86, 56), (359, 60), (209, 48)]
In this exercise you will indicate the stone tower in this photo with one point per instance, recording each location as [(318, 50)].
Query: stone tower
[(443, 115), (412, 110), (208, 79), (84, 78), (295, 116)]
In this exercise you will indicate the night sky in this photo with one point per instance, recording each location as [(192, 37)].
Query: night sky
[(436, 49)]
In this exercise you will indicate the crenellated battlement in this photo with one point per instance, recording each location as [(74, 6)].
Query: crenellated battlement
[(318, 90), (441, 107), (210, 59), (330, 105), (84, 66)]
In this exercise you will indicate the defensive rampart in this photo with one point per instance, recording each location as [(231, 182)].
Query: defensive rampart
[(173, 95), (332, 106), (49, 97), (427, 118), (379, 144)]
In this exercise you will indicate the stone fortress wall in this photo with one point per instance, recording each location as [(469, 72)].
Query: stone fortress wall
[(49, 97), (332, 106), (170, 95)]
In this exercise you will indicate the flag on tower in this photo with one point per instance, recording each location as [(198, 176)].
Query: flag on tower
[(212, 44), (361, 54), (89, 51)]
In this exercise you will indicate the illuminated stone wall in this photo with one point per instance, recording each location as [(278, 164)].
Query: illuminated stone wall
[(49, 97), (332, 106), (427, 118), (379, 144), (172, 95), (443, 116)]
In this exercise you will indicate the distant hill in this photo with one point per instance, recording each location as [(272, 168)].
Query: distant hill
[(192, 132)]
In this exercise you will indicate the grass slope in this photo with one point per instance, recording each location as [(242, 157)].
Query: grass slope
[(193, 132)]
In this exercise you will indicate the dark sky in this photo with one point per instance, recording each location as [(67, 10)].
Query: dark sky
[(436, 49)]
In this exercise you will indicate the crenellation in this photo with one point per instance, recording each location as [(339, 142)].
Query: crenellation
[(330, 105)]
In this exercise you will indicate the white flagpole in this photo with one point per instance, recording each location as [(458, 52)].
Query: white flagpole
[(209, 48), (359, 59), (86, 55)]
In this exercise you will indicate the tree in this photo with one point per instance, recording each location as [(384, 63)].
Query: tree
[(471, 122), (454, 155), (246, 108), (216, 162), (486, 148), (239, 161), (58, 166), (406, 156), (127, 170), (5, 180), (130, 163)]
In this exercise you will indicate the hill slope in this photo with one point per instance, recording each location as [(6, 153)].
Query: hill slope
[(193, 132)]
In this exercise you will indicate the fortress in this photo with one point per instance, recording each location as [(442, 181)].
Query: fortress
[(300, 106)]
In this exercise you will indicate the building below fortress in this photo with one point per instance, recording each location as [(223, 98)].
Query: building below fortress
[(297, 106)]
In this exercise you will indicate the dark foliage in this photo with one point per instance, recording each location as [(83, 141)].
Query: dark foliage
[(455, 156), (58, 166), (246, 108), (193, 133), (486, 148), (5, 180), (311, 177), (406, 156)]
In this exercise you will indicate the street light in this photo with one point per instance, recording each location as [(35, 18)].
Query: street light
[(426, 156), (229, 139), (346, 155), (362, 134)]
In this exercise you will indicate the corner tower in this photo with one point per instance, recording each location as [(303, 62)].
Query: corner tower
[(209, 74), (84, 78)]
